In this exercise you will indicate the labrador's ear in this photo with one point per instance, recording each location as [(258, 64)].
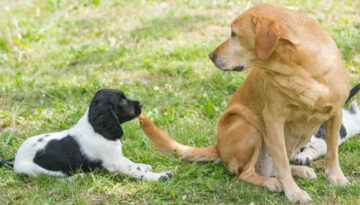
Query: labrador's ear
[(267, 35), (104, 120)]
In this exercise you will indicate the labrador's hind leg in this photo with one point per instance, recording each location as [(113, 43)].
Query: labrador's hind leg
[(239, 147), (249, 175)]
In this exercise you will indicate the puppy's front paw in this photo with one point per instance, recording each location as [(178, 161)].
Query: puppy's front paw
[(146, 166), (302, 158), (165, 176)]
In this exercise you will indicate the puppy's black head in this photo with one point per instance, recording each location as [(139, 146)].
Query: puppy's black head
[(108, 109)]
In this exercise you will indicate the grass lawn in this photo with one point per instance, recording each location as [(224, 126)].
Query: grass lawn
[(55, 54)]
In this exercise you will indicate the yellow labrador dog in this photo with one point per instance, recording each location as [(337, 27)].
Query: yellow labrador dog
[(299, 82)]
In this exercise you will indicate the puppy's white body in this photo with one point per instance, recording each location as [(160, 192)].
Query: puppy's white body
[(24, 157), (92, 145)]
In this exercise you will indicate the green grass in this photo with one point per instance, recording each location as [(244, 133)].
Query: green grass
[(55, 54)]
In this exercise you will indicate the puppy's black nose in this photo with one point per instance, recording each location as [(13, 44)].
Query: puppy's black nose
[(212, 56)]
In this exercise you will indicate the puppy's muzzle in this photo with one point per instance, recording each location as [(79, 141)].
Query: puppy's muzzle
[(138, 107)]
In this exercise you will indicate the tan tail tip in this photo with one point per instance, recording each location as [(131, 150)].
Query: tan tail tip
[(143, 120), (141, 117)]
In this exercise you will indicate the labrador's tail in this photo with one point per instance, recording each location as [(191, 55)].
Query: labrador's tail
[(164, 144)]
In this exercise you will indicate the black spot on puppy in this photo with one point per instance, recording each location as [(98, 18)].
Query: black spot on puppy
[(40, 140), (343, 132), (47, 135), (64, 155), (169, 174), (163, 178), (321, 132), (138, 168)]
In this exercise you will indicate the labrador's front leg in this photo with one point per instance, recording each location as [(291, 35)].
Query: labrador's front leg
[(275, 139), (333, 170)]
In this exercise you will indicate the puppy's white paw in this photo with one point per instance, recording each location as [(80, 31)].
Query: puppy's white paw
[(151, 176), (273, 185), (164, 176), (146, 166), (303, 172), (302, 158)]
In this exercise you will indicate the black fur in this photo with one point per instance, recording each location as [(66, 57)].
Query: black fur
[(7, 161), (321, 132), (64, 155), (353, 92), (108, 109), (343, 132)]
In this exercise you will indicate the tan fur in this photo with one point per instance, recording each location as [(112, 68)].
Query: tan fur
[(299, 82)]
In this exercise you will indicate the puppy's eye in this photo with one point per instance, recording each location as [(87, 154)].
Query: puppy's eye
[(123, 101)]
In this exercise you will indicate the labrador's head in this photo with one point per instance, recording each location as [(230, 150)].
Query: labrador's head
[(110, 108), (255, 35)]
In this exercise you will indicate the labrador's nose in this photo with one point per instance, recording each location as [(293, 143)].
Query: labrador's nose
[(212, 56)]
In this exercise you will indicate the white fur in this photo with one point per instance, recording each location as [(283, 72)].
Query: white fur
[(92, 145)]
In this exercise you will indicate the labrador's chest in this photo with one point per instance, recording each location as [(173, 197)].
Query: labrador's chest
[(306, 104), (301, 124)]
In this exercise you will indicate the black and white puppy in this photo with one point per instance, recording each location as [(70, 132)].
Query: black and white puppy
[(93, 142), (350, 127)]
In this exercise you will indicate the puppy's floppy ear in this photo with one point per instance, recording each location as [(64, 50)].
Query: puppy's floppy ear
[(104, 120), (267, 35)]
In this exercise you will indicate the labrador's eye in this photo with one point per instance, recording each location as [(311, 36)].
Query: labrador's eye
[(123, 101)]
